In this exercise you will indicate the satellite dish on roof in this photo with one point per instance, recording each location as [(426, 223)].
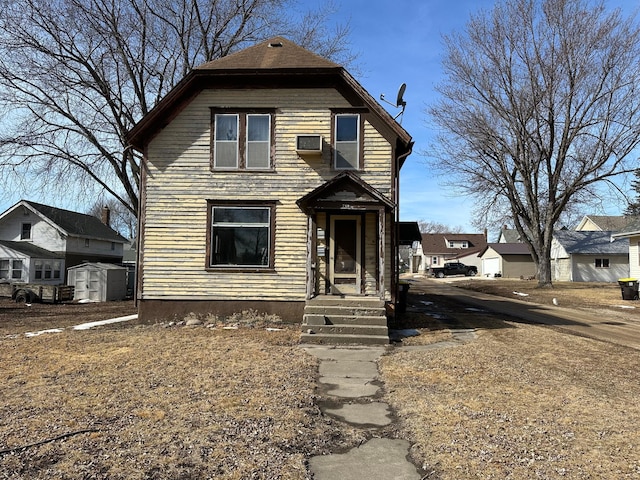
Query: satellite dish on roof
[(399, 100), (400, 103)]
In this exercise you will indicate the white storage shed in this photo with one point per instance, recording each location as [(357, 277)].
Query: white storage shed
[(98, 282)]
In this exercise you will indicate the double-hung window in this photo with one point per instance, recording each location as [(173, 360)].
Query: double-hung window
[(347, 141), (4, 269), (242, 140), (16, 269), (25, 232), (240, 235)]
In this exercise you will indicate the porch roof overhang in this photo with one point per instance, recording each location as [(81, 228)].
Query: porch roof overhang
[(346, 191), (408, 232)]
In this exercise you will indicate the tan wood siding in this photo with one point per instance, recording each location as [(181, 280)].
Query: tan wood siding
[(179, 181), (371, 254)]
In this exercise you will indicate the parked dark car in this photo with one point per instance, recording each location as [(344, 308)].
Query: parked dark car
[(454, 268)]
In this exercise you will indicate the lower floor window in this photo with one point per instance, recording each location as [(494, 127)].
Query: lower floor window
[(47, 269), (602, 263), (4, 269), (240, 236), (16, 269)]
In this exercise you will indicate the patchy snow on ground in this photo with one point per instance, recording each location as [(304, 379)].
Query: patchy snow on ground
[(87, 326)]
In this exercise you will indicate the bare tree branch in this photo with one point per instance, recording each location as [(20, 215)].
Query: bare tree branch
[(539, 106), (76, 75)]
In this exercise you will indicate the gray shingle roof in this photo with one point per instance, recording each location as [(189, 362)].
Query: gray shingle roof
[(29, 249), (511, 235), (591, 242), (78, 224), (615, 223), (632, 227)]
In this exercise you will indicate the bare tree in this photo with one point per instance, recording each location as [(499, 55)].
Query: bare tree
[(426, 226), (120, 218), (539, 107), (76, 75)]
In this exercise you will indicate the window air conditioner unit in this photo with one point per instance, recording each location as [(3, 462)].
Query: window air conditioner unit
[(309, 144)]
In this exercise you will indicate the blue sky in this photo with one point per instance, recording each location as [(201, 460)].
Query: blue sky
[(399, 42)]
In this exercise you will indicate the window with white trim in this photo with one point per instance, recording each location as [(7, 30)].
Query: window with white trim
[(4, 269), (602, 263), (240, 236), (47, 269), (242, 141), (25, 232), (347, 141), (16, 269)]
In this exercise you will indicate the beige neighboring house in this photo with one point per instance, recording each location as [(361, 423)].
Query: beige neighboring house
[(508, 260), (270, 182), (603, 223), (437, 248)]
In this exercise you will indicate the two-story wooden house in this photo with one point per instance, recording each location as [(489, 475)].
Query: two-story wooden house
[(38, 242), (270, 182)]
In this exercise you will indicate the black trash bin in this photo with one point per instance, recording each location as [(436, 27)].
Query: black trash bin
[(403, 290), (628, 288)]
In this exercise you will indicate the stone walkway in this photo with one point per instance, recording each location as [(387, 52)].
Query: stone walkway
[(349, 377), (350, 383)]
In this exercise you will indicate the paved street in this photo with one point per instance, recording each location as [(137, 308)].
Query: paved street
[(599, 324)]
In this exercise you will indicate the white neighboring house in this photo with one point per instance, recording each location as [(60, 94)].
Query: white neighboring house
[(39, 242), (589, 256), (23, 262), (631, 233)]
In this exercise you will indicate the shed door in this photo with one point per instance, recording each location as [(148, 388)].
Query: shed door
[(345, 254), (87, 285)]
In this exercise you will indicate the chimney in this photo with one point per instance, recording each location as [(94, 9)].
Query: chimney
[(106, 216)]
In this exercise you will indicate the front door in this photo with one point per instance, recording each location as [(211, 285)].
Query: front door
[(345, 254)]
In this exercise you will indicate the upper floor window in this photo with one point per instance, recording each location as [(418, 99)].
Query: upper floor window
[(25, 233), (347, 142), (242, 141)]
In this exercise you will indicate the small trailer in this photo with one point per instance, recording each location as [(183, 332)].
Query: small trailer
[(30, 293)]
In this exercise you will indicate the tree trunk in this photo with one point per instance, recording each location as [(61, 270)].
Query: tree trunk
[(544, 272)]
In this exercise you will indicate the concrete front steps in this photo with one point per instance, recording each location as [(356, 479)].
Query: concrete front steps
[(336, 320)]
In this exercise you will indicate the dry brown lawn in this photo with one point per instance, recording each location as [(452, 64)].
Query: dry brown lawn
[(521, 401), (567, 294), (148, 402), (164, 403)]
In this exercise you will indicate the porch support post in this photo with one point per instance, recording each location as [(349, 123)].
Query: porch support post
[(381, 244), (311, 249)]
